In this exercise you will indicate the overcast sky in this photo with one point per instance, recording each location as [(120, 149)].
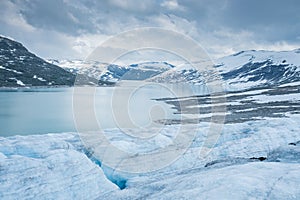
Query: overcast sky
[(73, 28)]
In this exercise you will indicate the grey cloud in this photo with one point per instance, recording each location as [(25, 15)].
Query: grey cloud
[(269, 19), (54, 15), (73, 17), (232, 24)]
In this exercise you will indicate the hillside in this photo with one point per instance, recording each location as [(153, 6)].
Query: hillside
[(21, 68)]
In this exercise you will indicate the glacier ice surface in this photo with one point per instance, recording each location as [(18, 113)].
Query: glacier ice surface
[(57, 166)]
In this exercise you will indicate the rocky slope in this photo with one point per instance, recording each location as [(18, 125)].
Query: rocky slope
[(21, 68)]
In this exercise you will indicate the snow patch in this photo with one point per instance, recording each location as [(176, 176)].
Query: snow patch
[(11, 70), (18, 81), (39, 78)]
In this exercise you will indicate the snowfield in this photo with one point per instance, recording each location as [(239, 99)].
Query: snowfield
[(245, 181), (48, 167), (255, 159)]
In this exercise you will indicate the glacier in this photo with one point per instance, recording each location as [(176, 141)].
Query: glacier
[(58, 166), (48, 166)]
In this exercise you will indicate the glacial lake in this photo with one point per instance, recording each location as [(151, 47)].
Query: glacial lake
[(27, 111)]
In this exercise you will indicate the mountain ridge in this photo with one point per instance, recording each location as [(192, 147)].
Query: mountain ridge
[(19, 68), (242, 70)]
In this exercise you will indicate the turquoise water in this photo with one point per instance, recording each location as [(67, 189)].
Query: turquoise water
[(50, 110), (36, 111)]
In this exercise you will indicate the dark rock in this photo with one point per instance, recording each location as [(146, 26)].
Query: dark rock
[(19, 67), (259, 158), (292, 143)]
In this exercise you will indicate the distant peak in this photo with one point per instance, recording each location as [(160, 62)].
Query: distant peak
[(152, 63), (242, 52), (236, 54), (297, 50)]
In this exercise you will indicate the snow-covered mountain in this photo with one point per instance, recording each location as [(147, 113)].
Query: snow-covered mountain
[(260, 68), (111, 73), (88, 68), (242, 70), (19, 67), (140, 71)]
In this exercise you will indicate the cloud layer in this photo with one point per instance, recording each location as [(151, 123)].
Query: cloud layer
[(73, 28)]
